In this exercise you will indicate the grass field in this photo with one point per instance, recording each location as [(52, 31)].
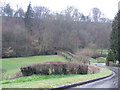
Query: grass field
[(12, 65)]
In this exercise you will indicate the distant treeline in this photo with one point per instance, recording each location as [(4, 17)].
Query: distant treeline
[(39, 31)]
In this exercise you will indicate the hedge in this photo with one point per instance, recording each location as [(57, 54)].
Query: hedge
[(52, 68)]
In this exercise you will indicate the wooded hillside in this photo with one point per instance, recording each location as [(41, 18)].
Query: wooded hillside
[(39, 31)]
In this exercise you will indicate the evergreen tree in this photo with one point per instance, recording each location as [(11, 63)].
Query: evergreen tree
[(118, 30), (8, 11), (115, 39), (28, 19), (111, 56), (28, 24)]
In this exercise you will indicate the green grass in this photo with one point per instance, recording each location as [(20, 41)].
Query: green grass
[(101, 60), (12, 65), (93, 60), (44, 81), (104, 51), (98, 60)]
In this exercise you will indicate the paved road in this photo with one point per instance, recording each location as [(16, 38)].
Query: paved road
[(110, 83)]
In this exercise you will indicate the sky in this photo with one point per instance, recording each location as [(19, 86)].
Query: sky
[(108, 7)]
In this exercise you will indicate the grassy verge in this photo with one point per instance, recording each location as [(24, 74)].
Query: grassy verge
[(44, 81)]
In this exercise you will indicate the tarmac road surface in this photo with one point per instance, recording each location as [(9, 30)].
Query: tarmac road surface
[(112, 82)]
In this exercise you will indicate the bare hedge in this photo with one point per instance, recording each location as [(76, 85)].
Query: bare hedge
[(97, 55), (93, 69), (52, 68)]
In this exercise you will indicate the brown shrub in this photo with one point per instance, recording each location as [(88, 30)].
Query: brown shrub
[(49, 68), (97, 55), (90, 53), (93, 69), (83, 69), (86, 52)]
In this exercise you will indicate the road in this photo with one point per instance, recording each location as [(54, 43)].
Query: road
[(110, 82)]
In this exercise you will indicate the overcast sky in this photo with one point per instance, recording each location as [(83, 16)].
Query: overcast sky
[(108, 7)]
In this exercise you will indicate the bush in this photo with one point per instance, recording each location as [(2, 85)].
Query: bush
[(90, 53), (116, 65), (110, 56), (97, 55), (86, 52), (49, 52), (93, 69), (52, 68)]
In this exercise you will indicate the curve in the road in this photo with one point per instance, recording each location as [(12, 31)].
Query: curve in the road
[(83, 83)]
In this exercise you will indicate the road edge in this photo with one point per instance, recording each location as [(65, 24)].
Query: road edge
[(81, 83)]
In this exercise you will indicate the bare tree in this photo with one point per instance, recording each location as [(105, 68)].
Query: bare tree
[(96, 14)]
